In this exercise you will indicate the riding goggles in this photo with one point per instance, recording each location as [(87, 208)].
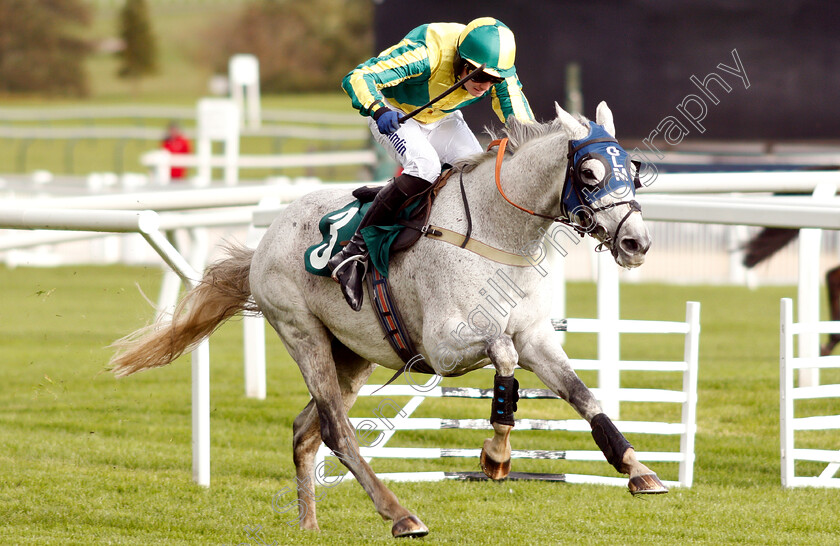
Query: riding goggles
[(483, 77)]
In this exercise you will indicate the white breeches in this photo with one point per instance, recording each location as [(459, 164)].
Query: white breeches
[(421, 148)]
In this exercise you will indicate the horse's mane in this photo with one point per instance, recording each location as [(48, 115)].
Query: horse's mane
[(517, 133)]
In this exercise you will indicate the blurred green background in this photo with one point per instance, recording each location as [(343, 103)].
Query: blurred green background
[(303, 48), (195, 38)]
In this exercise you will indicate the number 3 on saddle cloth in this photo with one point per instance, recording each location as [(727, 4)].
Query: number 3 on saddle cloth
[(338, 226)]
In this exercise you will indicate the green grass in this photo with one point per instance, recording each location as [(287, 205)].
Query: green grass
[(87, 459)]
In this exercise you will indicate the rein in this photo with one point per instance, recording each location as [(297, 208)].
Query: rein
[(502, 144)]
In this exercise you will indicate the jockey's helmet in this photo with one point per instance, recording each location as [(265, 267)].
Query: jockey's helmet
[(488, 41)]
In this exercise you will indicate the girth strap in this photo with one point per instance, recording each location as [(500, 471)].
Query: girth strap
[(482, 249), (393, 325)]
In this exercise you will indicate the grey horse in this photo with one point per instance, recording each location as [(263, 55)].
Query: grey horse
[(442, 291)]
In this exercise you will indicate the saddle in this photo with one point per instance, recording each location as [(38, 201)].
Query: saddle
[(417, 220), (338, 226)]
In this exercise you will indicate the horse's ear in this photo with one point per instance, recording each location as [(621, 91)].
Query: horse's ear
[(603, 116), (575, 129)]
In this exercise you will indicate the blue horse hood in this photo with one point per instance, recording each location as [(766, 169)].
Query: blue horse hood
[(602, 146)]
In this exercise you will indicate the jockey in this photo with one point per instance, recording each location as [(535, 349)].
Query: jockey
[(429, 60)]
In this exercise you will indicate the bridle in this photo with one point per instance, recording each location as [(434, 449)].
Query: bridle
[(574, 184)]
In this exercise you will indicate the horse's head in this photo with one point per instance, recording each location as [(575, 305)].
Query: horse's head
[(598, 191)]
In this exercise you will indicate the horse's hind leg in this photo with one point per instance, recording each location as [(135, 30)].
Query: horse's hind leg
[(495, 453), (309, 344), (352, 372), (832, 281)]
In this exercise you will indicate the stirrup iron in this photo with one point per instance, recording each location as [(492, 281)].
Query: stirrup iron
[(355, 258)]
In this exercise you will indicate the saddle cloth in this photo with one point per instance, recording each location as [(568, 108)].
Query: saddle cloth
[(337, 227)]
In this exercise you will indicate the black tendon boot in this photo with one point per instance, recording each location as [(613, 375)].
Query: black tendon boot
[(349, 266)]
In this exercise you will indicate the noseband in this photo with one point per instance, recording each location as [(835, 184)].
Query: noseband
[(574, 189)]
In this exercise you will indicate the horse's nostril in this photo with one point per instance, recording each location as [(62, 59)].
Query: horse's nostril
[(631, 246), (635, 246)]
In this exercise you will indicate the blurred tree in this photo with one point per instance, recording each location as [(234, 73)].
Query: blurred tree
[(138, 56), (301, 46), (40, 51)]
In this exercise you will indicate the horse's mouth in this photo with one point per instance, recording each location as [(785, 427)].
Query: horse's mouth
[(628, 253), (632, 262)]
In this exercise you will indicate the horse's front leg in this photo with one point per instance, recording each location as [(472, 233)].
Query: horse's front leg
[(541, 353), (495, 453)]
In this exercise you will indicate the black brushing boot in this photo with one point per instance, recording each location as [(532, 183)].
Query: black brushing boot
[(349, 266)]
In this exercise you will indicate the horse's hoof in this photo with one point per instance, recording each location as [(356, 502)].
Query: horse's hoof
[(646, 484), (492, 469), (409, 526)]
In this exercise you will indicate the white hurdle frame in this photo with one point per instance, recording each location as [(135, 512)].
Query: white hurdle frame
[(686, 429), (790, 393), (147, 223)]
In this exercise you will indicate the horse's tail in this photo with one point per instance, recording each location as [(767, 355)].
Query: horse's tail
[(223, 292)]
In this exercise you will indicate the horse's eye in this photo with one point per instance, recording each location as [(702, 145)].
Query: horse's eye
[(588, 173)]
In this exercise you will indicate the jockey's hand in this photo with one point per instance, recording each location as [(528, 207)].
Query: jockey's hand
[(387, 121)]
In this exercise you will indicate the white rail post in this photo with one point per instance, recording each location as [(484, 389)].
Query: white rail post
[(254, 339), (253, 328), (786, 388), (689, 411), (218, 120), (244, 77), (201, 413), (809, 289), (160, 162), (232, 156), (608, 337)]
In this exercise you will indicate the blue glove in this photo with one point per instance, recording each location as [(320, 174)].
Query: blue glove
[(387, 121)]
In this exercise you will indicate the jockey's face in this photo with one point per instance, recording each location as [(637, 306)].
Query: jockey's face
[(474, 88)]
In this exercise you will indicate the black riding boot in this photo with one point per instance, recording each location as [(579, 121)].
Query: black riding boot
[(349, 266)]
